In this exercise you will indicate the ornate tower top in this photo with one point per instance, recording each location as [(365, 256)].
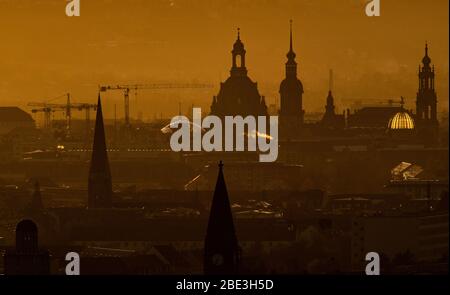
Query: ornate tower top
[(238, 57), (291, 64), (426, 59)]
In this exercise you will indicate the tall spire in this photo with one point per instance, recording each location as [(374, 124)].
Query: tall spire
[(290, 42), (291, 54), (221, 254), (291, 64), (99, 183), (330, 81)]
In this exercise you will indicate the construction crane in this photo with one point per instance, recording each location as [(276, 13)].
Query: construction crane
[(375, 102), (49, 108), (47, 115), (126, 88)]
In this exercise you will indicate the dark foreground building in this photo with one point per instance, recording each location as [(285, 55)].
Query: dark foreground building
[(27, 258)]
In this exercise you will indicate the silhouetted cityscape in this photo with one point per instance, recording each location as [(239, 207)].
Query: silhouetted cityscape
[(348, 181)]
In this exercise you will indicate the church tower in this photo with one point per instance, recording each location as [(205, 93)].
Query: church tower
[(238, 95), (426, 103), (221, 254), (238, 58), (99, 183), (329, 107), (291, 92)]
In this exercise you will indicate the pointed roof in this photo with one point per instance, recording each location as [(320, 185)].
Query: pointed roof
[(220, 222), (99, 160), (291, 54)]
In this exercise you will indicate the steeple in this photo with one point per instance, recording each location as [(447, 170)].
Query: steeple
[(426, 59), (426, 101), (99, 183), (291, 64), (329, 108), (221, 254), (291, 93)]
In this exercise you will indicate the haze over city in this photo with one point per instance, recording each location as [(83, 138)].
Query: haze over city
[(45, 53)]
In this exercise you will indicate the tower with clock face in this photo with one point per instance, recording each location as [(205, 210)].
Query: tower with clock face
[(221, 254)]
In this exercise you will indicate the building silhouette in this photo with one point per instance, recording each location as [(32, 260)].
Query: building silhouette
[(27, 258), (330, 119), (291, 92), (99, 183), (221, 254), (426, 103), (238, 95)]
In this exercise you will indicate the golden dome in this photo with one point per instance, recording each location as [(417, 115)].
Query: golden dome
[(401, 120)]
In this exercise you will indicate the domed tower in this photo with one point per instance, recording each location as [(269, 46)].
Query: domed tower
[(426, 103), (238, 95), (291, 92), (27, 258)]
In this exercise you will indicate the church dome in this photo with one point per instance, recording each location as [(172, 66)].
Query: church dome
[(401, 121)]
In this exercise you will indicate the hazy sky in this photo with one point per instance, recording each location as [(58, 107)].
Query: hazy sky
[(44, 53)]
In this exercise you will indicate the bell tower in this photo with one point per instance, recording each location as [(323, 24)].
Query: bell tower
[(238, 57), (426, 102), (291, 93)]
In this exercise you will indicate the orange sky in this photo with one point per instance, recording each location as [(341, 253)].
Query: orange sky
[(44, 53)]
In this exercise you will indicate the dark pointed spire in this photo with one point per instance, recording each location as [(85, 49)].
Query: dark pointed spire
[(221, 246), (99, 184), (239, 33), (291, 54), (291, 64), (290, 46)]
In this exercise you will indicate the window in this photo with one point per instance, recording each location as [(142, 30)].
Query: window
[(238, 61)]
